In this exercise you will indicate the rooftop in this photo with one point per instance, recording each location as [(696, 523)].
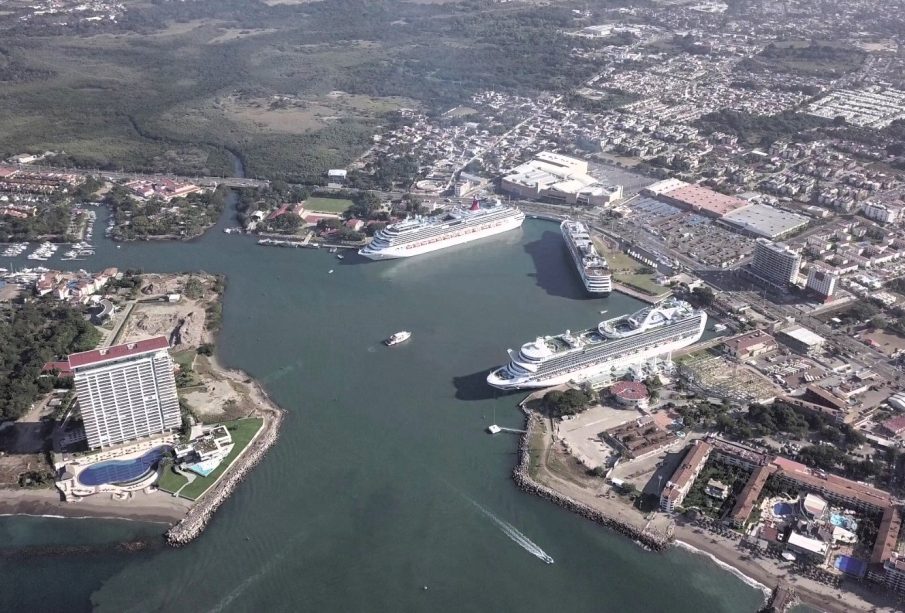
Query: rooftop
[(705, 200), (765, 220), (117, 352), (804, 336)]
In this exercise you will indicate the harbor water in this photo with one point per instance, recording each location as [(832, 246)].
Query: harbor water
[(383, 493)]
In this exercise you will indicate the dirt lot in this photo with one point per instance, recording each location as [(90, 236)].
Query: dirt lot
[(218, 397), (887, 343), (581, 434), (182, 322)]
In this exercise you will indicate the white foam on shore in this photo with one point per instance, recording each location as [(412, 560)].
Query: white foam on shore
[(105, 517), (728, 567)]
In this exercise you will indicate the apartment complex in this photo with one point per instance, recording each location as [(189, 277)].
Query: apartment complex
[(775, 263), (126, 392), (822, 282)]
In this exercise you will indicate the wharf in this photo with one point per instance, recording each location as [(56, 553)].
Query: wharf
[(628, 291)]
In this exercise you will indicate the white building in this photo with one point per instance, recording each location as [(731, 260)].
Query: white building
[(126, 392), (822, 282), (559, 177), (881, 212), (775, 262)]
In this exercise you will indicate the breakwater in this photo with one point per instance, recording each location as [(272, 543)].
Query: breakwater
[(523, 480), (193, 524)]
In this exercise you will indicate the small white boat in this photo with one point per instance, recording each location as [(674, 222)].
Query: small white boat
[(398, 337), (604, 312), (330, 272), (719, 328), (340, 256), (494, 429)]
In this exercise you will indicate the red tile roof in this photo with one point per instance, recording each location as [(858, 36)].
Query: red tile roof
[(116, 352), (895, 425)]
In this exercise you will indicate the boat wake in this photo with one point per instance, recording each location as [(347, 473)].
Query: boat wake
[(514, 535)]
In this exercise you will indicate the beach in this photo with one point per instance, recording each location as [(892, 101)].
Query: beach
[(151, 507)]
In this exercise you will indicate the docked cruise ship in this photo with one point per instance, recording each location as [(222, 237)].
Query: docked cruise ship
[(609, 349), (591, 266), (425, 234)]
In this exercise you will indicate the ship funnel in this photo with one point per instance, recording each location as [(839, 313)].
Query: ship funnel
[(474, 204)]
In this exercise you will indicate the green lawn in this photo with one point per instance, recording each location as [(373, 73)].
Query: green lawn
[(642, 283), (327, 205), (184, 359), (170, 481), (242, 431)]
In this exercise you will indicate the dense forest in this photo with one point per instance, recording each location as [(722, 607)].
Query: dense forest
[(29, 337), (181, 89)]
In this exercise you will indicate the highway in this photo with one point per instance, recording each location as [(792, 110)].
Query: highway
[(118, 175)]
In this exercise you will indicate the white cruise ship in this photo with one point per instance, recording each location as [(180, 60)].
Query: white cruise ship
[(423, 235), (591, 266), (610, 348)]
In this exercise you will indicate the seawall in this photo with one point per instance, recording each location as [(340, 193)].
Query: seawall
[(524, 481), (194, 522)]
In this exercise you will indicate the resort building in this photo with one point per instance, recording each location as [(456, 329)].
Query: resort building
[(126, 392), (680, 483)]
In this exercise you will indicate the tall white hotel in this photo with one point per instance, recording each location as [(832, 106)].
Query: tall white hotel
[(126, 392)]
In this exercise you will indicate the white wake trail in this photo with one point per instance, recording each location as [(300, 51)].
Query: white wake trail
[(514, 535)]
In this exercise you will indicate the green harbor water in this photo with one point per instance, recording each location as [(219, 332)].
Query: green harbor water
[(383, 481)]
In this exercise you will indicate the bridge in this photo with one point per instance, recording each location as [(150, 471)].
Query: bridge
[(113, 175)]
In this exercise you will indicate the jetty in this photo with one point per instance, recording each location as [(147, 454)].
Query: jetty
[(193, 524)]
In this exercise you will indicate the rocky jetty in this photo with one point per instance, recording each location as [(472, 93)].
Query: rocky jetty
[(193, 524), (524, 481)]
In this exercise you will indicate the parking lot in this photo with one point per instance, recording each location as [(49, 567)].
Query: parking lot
[(581, 433)]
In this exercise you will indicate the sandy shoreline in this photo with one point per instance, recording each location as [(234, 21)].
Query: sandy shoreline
[(156, 507)]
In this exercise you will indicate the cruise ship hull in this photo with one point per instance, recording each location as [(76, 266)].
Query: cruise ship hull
[(589, 367), (402, 251), (598, 285)]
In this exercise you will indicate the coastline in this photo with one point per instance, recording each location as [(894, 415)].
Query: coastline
[(156, 507), (193, 523), (758, 572)]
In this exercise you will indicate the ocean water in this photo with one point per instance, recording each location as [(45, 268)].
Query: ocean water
[(383, 492)]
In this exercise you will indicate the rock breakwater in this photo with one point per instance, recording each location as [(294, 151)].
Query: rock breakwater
[(523, 480), (193, 524)]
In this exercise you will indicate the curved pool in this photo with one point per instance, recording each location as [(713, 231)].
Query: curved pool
[(781, 509), (122, 471)]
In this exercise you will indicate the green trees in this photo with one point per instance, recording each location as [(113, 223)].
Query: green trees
[(569, 402), (29, 337)]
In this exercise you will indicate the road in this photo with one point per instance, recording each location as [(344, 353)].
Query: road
[(117, 175)]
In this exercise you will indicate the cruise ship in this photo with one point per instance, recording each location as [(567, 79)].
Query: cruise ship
[(425, 234), (591, 266), (609, 349)]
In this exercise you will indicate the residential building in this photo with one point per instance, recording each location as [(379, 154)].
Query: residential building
[(881, 212), (822, 282), (775, 263), (126, 392)]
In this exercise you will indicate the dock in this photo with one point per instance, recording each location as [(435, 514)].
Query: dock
[(649, 298)]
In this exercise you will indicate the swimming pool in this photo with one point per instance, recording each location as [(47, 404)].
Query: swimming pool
[(122, 471), (844, 522), (781, 509)]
